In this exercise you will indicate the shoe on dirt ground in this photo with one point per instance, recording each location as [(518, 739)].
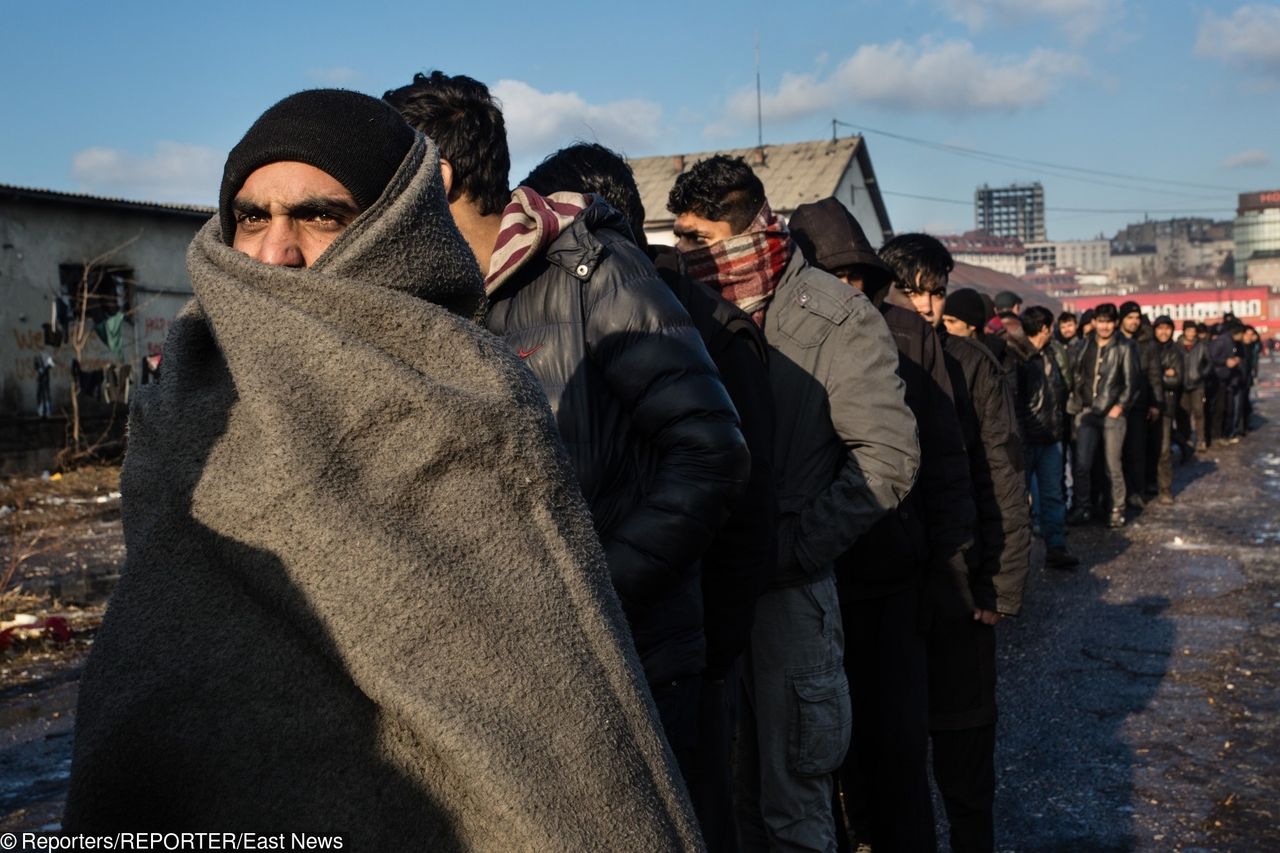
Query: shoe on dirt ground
[(1117, 520), (1079, 517), (1165, 498), (1060, 558)]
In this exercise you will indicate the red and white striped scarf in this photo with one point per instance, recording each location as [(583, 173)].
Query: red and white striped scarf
[(530, 223), (747, 267)]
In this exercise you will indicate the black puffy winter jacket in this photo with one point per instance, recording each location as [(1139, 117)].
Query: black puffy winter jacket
[(647, 423)]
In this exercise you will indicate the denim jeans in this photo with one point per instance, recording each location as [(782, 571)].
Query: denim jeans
[(1044, 475), (1093, 430), (795, 721)]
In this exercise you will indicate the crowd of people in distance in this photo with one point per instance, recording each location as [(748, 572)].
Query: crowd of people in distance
[(465, 518)]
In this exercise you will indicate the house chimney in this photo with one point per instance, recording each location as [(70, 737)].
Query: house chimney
[(757, 156), (677, 163)]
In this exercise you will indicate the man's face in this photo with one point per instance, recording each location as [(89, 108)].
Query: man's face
[(957, 327), (1130, 323), (694, 232), (1189, 334), (287, 213), (928, 299), (1067, 328), (1041, 339), (1104, 328), (1250, 336), (1164, 333)]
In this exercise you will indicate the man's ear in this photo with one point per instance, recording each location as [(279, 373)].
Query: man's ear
[(446, 175)]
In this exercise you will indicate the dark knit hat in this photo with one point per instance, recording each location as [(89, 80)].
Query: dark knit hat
[(966, 305), (1086, 316), (1163, 320), (1006, 300), (1130, 307), (831, 238), (357, 139)]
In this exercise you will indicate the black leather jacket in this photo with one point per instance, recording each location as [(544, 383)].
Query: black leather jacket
[(646, 420), (1169, 356), (1196, 364), (1119, 379), (1041, 392)]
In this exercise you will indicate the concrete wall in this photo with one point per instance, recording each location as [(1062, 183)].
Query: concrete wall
[(36, 237)]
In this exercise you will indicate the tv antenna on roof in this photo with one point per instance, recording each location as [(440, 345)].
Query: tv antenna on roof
[(759, 109)]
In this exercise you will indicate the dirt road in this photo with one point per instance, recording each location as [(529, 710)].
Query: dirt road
[(1139, 696)]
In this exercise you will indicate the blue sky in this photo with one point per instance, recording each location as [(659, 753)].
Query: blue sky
[(143, 100)]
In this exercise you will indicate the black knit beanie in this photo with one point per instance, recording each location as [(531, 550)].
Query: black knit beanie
[(357, 139), (966, 305), (1130, 307)]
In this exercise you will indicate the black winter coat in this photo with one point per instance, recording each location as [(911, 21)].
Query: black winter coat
[(928, 536), (740, 562), (1150, 382), (1196, 364), (647, 423), (1041, 393), (1119, 380), (1001, 560), (1169, 356)]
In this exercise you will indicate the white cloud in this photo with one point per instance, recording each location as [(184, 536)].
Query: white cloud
[(949, 77), (539, 123), (1247, 159), (1249, 38), (174, 172), (1079, 19), (339, 75)]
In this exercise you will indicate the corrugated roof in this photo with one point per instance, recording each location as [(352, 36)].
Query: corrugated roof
[(12, 191), (990, 282), (793, 174)]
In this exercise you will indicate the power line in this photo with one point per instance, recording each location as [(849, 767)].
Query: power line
[(1007, 159), (969, 203)]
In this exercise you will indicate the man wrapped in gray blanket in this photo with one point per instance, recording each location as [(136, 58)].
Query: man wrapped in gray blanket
[(363, 596)]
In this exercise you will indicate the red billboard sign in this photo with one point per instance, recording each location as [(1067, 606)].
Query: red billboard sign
[(1252, 305)]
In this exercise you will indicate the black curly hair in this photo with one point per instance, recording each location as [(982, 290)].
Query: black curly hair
[(919, 262), (465, 121), (589, 167), (720, 188)]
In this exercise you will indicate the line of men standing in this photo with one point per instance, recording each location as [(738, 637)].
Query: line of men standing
[(806, 465), (884, 530)]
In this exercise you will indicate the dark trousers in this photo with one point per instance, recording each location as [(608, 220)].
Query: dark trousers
[(962, 725), (965, 770), (1135, 451), (1220, 405), (1191, 415), (698, 717), (1094, 432), (883, 785), (1164, 464)]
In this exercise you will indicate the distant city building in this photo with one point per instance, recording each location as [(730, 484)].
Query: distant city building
[(793, 174), (1002, 254), (1257, 231), (1182, 246), (1133, 263), (1080, 255), (1015, 211)]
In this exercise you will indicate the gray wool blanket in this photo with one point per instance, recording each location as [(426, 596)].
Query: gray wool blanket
[(363, 596)]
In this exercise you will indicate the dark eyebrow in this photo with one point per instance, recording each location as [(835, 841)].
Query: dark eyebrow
[(338, 208), (247, 207), (317, 205)]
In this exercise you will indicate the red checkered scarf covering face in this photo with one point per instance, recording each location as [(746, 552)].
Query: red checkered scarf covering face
[(746, 268), (530, 223)]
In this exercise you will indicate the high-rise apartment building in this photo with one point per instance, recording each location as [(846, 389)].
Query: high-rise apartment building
[(1257, 230), (1014, 211)]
